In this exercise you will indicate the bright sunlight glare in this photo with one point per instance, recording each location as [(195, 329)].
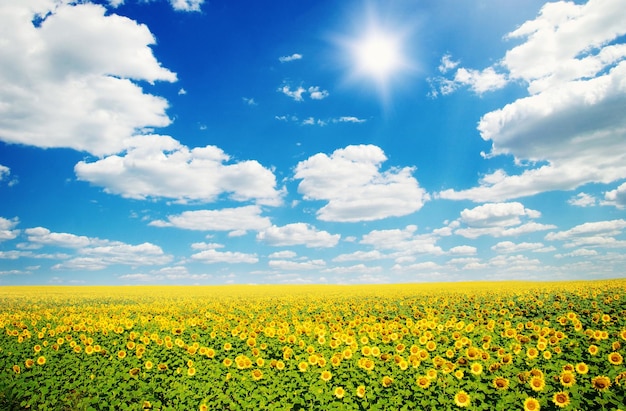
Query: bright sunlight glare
[(378, 55)]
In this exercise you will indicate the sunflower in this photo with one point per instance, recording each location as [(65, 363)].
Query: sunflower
[(476, 368), (133, 372), (582, 368), (29, 363), (257, 374), (280, 365), (462, 399), (339, 392), (148, 365), (387, 381), (17, 369), (227, 362), (615, 358), (203, 407), (326, 375), (366, 350), (537, 383), (191, 371), (41, 360), (162, 367), (423, 382), (567, 379), (121, 354), (303, 366), (593, 349), (360, 391), (501, 383), (601, 383), (531, 404), (561, 399), (532, 353)]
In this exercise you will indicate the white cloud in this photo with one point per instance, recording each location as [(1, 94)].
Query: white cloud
[(212, 256), (592, 234), (294, 94), (363, 270), (159, 166), (498, 220), (447, 63), (293, 57), (7, 231), (356, 190), (70, 81), (360, 256), (298, 94), (298, 234), (463, 250), (227, 219), (249, 101), (508, 247), (570, 130), (316, 94), (311, 121), (616, 197), (4, 172), (582, 200), (348, 119), (404, 243), (186, 5), (480, 81), (289, 265), (115, 252), (43, 236), (284, 255), (581, 252)]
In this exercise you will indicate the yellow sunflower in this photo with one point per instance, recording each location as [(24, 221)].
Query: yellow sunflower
[(462, 399), (561, 399), (501, 383), (360, 391), (615, 358), (326, 375), (567, 379), (423, 382), (601, 383), (537, 383), (582, 368), (339, 392), (531, 404)]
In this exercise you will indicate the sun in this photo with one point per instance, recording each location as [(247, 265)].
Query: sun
[(376, 52), (377, 55)]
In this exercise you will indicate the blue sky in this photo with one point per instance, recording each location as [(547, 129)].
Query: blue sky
[(213, 142)]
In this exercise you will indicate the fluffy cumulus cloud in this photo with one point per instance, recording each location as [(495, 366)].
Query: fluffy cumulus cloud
[(616, 197), (161, 167), (403, 245), (227, 219), (592, 234), (186, 5), (210, 255), (351, 181), (90, 253), (498, 220), (298, 234), (7, 228), (290, 265), (570, 130), (114, 253), (72, 78)]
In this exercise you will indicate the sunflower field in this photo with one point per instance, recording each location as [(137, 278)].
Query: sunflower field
[(472, 346)]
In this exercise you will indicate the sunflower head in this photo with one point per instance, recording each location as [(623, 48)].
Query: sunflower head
[(561, 399), (462, 399)]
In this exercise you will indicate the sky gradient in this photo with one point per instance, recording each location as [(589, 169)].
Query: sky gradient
[(215, 142)]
